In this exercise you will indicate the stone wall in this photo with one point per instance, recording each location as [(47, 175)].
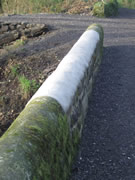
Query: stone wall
[(11, 31), (42, 142), (78, 107)]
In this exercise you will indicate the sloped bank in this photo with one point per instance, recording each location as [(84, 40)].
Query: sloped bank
[(42, 141)]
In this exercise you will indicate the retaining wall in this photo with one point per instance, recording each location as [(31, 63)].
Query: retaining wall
[(42, 142), (11, 31)]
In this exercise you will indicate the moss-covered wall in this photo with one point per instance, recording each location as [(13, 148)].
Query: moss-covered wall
[(38, 144), (78, 107), (42, 142)]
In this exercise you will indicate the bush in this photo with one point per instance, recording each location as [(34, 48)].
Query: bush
[(98, 9), (111, 8), (105, 9)]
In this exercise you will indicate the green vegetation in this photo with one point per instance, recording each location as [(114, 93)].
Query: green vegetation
[(27, 86), (34, 6), (105, 8), (38, 143), (38, 6), (111, 8), (17, 43), (1, 7), (127, 3), (20, 42), (34, 85), (1, 99), (57, 6), (14, 70), (98, 9)]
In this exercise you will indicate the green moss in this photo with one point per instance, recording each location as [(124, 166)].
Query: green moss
[(41, 143), (98, 28)]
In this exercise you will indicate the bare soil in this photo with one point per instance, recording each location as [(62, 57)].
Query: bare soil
[(35, 66)]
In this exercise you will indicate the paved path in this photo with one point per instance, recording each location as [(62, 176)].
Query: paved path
[(107, 149)]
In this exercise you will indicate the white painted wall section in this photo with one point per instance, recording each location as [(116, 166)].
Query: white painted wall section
[(63, 82)]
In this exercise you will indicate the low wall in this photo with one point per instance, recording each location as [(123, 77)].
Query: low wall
[(42, 142), (11, 31)]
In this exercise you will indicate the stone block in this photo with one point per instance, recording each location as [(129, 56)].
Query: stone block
[(12, 27), (3, 29), (8, 37)]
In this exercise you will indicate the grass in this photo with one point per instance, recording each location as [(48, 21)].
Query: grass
[(25, 85), (33, 6), (38, 6), (28, 87), (127, 3), (20, 42), (34, 85), (14, 70), (1, 99), (48, 6), (16, 44)]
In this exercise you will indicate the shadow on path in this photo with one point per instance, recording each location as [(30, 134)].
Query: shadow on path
[(126, 13), (107, 149)]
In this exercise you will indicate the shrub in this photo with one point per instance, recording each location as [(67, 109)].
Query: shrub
[(111, 8), (98, 9), (105, 9)]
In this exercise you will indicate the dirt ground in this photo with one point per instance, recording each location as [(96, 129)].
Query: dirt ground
[(34, 66)]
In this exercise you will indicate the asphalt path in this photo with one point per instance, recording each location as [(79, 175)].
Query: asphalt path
[(107, 148)]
